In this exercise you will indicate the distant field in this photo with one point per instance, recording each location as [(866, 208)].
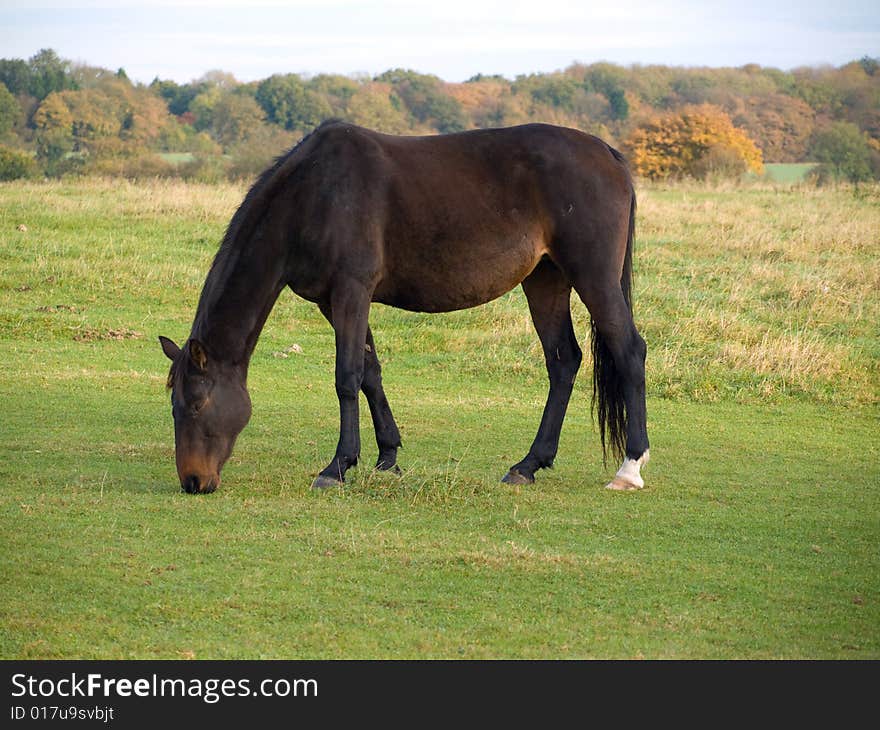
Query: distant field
[(177, 158), (757, 536), (788, 172)]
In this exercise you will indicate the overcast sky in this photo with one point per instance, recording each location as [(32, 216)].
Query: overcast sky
[(454, 39)]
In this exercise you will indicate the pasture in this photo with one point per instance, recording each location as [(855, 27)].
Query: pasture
[(757, 536)]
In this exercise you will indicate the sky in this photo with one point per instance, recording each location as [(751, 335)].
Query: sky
[(453, 39)]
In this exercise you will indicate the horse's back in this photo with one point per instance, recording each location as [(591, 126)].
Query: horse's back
[(452, 221)]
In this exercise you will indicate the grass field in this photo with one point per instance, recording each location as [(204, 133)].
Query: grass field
[(757, 536)]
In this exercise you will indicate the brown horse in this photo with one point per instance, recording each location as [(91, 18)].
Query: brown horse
[(429, 224)]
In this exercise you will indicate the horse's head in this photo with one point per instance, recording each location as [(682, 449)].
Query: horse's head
[(210, 406)]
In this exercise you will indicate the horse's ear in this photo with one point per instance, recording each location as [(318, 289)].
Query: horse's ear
[(169, 348), (198, 354)]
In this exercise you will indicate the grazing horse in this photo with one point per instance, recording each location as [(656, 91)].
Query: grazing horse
[(428, 224)]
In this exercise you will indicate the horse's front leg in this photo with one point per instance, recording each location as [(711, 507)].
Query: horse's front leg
[(387, 433), (349, 312)]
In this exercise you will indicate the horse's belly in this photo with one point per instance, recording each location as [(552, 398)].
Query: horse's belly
[(473, 275)]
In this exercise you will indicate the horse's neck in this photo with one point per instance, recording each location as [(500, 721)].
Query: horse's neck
[(236, 301)]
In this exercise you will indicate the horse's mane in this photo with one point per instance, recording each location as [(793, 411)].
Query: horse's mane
[(261, 192), (249, 214)]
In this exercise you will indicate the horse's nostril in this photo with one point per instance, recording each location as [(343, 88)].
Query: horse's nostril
[(191, 485)]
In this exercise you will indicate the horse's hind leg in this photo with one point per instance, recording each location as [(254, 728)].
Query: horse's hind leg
[(619, 377), (387, 433), (548, 293)]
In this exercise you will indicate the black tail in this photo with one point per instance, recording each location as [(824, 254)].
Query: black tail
[(608, 401)]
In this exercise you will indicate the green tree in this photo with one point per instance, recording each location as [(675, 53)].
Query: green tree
[(254, 153), (15, 74), (619, 105), (202, 107), (609, 81), (554, 90), (870, 65), (234, 119), (335, 90), (49, 73), (287, 101), (426, 100), (177, 97), (844, 152), (9, 110), (15, 164), (53, 146)]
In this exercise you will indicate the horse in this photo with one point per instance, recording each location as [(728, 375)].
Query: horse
[(438, 223)]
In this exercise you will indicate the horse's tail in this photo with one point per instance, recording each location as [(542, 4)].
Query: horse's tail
[(608, 402)]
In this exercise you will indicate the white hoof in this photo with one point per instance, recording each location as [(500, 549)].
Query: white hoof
[(628, 477)]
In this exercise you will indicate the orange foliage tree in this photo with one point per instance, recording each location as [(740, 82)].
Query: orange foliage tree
[(780, 125), (695, 141)]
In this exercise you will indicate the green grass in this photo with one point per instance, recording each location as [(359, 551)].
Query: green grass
[(758, 534), (788, 172)]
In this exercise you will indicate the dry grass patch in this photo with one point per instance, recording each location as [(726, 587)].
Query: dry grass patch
[(753, 291), (797, 356)]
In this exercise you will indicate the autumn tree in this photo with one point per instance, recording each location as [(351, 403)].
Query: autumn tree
[(110, 119), (780, 125), (376, 106), (53, 121), (696, 141), (676, 121), (489, 101)]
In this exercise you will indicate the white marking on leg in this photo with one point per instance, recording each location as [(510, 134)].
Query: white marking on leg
[(629, 476)]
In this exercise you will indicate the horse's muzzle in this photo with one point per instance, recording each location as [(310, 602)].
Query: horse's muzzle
[(195, 484)]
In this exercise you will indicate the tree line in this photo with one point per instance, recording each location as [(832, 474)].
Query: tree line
[(58, 118)]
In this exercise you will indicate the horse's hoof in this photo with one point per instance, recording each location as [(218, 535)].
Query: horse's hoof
[(393, 469), (621, 485), (322, 482), (514, 477)]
